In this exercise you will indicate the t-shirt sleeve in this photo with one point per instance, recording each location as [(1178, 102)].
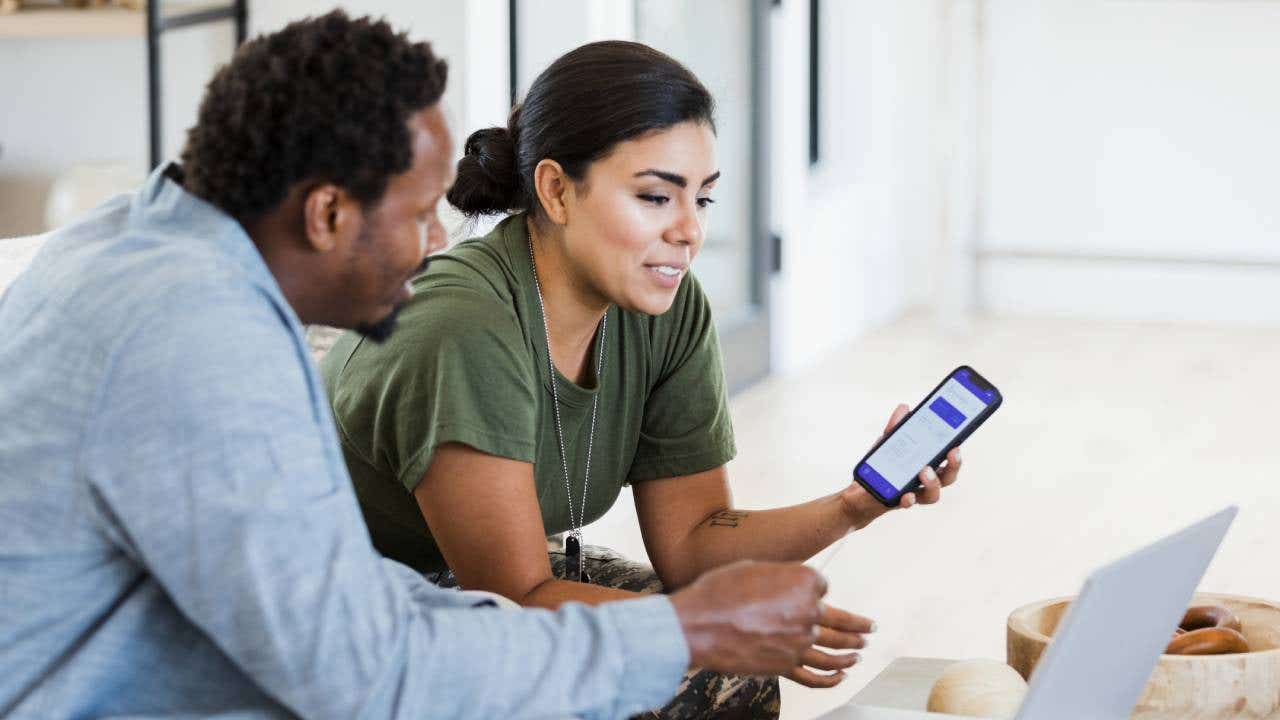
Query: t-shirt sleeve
[(686, 427), (455, 370)]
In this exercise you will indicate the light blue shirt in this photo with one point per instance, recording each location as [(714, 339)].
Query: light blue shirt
[(178, 534)]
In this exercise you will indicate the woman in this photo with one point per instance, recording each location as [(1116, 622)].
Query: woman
[(568, 352)]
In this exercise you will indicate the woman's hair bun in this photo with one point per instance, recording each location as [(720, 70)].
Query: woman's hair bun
[(488, 179)]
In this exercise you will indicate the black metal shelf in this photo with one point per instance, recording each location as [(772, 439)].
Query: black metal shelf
[(159, 23)]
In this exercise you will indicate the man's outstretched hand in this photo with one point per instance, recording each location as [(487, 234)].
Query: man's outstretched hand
[(764, 618)]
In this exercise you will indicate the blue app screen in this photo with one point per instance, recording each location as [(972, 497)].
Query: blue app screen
[(913, 444)]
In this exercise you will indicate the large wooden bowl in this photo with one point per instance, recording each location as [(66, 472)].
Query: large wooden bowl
[(1245, 685)]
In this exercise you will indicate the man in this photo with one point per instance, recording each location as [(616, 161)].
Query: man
[(180, 534)]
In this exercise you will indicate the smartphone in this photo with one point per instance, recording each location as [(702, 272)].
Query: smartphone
[(961, 402)]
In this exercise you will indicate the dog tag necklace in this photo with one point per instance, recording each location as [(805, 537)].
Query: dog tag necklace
[(574, 560)]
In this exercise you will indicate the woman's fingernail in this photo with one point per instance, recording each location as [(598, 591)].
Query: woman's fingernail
[(873, 627), (930, 473), (857, 658)]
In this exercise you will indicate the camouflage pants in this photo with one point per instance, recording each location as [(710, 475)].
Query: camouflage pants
[(702, 694)]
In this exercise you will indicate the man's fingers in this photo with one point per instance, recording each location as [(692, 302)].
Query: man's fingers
[(837, 640), (809, 678), (836, 619), (819, 660)]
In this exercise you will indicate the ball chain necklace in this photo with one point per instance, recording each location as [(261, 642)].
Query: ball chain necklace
[(575, 562)]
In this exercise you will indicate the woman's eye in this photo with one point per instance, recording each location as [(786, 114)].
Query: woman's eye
[(655, 199), (703, 202)]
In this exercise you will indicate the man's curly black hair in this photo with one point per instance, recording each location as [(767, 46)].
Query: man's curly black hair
[(325, 99)]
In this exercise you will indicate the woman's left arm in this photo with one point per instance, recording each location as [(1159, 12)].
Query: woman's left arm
[(690, 525)]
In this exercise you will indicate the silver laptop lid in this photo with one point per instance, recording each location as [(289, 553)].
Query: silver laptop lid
[(1111, 637)]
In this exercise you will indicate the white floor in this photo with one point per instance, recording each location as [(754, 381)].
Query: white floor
[(1111, 435)]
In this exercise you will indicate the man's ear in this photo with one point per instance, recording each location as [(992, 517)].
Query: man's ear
[(554, 187), (328, 215)]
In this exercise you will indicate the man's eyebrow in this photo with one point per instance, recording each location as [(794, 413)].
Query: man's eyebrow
[(675, 179)]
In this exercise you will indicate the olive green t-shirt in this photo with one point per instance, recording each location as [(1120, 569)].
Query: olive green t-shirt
[(468, 364)]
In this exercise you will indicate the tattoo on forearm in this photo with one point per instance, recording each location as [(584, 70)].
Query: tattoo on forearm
[(727, 518)]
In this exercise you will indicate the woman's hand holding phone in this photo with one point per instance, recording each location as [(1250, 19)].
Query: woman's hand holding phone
[(862, 508), (841, 630)]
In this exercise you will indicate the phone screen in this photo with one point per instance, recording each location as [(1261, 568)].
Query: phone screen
[(919, 439)]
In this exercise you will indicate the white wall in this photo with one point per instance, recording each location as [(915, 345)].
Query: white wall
[(1096, 158), (1133, 158), (859, 227), (471, 36), (71, 101), (550, 28), (447, 25)]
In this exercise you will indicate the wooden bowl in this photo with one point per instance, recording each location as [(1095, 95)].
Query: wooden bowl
[(1244, 685)]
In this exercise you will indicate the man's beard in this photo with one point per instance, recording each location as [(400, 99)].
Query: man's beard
[(381, 330)]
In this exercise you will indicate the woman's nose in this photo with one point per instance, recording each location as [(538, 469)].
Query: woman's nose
[(687, 229)]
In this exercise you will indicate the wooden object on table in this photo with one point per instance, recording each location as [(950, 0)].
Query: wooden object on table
[(904, 684), (1245, 685), (978, 688), (902, 687)]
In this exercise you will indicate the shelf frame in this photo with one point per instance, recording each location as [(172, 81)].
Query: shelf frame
[(44, 22), (158, 23)]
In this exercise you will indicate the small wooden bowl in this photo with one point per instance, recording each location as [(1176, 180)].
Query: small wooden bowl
[(1244, 685)]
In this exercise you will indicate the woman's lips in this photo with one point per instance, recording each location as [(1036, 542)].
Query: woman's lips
[(667, 276)]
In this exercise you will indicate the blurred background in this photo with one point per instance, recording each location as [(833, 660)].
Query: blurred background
[(1077, 197)]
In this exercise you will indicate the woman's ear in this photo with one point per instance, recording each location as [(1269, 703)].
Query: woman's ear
[(553, 186), (328, 214)]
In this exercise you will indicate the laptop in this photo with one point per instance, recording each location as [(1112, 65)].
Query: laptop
[(1085, 672)]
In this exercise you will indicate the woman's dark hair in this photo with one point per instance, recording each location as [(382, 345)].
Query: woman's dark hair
[(326, 98), (578, 109)]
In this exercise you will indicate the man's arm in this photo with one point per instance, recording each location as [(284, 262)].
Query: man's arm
[(211, 470)]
